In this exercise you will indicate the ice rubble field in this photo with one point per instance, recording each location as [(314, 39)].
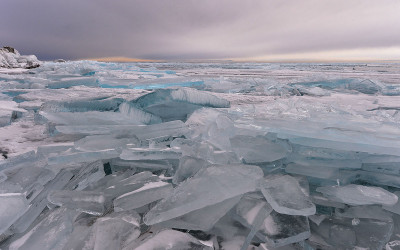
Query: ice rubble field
[(200, 156)]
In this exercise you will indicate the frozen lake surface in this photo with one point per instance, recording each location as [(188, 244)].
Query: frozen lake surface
[(216, 155)]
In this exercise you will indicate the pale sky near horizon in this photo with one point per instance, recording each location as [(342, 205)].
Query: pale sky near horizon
[(339, 30)]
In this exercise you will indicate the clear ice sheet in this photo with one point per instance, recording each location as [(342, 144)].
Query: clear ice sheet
[(199, 155)]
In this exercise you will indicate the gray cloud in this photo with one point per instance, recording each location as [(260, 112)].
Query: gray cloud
[(190, 29)]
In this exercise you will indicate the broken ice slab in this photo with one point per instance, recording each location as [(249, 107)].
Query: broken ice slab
[(114, 188), (378, 159), (312, 171), (348, 143), (12, 206), (88, 118), (256, 149), (113, 179), (108, 104), (103, 142), (188, 166), (224, 157), (28, 180), (82, 234), (177, 104), (50, 233), (324, 153), (349, 233), (79, 157), (209, 186), (90, 202), (192, 148), (393, 245), (19, 161), (200, 120), (54, 148), (160, 83), (3, 177), (129, 110), (258, 221), (149, 192), (364, 86), (142, 132), (249, 206), (323, 176), (344, 136), (395, 208), (112, 231), (202, 219), (170, 239), (148, 154), (319, 199), (219, 132), (29, 175), (380, 178), (72, 81), (87, 174), (390, 168), (358, 195), (285, 196), (325, 163), (118, 165), (7, 110), (281, 229), (367, 212), (40, 202), (277, 229)]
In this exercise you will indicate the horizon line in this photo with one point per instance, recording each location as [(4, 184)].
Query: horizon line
[(119, 59)]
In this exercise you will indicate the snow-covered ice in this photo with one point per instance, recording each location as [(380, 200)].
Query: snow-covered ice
[(217, 155)]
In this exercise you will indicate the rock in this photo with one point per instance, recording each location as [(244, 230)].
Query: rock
[(9, 49), (11, 58)]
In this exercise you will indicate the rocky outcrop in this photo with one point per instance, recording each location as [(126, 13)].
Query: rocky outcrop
[(11, 58)]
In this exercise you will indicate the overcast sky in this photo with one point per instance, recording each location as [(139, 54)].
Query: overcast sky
[(202, 29)]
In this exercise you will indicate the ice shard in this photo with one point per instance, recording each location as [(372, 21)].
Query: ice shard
[(109, 104), (129, 110), (82, 234), (173, 240), (148, 154), (280, 229), (188, 166), (149, 192), (90, 202), (118, 164), (88, 118), (395, 208), (348, 233), (143, 133), (40, 202), (103, 142), (359, 195), (285, 196), (87, 174), (112, 231), (177, 104), (202, 219), (13, 205), (256, 149), (71, 158), (209, 186), (51, 233)]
